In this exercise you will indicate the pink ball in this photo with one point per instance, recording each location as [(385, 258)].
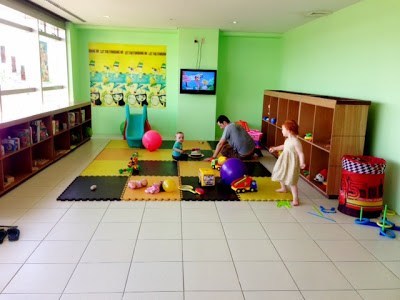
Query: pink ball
[(152, 140)]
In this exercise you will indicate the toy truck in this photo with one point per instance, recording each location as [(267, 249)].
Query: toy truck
[(244, 184), (215, 164), (206, 177)]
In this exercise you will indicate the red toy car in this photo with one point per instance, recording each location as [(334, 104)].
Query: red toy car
[(244, 184)]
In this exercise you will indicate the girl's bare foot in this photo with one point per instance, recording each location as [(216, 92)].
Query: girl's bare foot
[(295, 203), (280, 190)]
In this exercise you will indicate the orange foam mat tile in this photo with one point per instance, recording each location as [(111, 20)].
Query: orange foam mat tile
[(188, 145), (266, 191), (140, 194), (191, 168), (104, 168), (143, 154)]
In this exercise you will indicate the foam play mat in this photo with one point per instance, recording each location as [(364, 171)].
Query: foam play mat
[(108, 176)]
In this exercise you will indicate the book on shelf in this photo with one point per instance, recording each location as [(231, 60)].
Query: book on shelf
[(35, 131), (24, 136), (71, 119), (55, 124)]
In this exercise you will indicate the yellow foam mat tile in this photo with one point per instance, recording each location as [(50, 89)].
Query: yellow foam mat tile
[(119, 144), (188, 145), (191, 168), (266, 191), (105, 168), (116, 154), (140, 194)]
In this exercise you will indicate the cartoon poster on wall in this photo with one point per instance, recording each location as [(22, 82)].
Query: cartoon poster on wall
[(127, 74), (44, 61)]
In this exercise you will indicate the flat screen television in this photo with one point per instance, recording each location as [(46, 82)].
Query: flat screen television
[(200, 82)]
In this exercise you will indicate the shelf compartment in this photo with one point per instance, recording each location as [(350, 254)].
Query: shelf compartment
[(60, 123), (323, 126), (307, 154), (76, 136), (319, 161), (61, 143), (272, 109), (293, 110), (271, 135), (18, 166), (306, 119), (42, 154), (282, 111)]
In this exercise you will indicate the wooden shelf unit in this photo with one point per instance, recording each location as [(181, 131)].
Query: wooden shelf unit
[(337, 125), (55, 138)]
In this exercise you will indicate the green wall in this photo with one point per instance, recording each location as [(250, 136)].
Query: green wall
[(354, 53), (196, 113), (106, 120), (247, 65)]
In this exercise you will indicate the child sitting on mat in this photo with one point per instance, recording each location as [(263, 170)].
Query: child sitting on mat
[(287, 167), (177, 149)]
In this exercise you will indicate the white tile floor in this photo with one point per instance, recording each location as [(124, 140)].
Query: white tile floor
[(185, 250)]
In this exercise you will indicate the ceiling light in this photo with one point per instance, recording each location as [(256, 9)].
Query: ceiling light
[(235, 22)]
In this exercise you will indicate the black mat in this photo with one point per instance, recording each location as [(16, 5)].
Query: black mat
[(219, 192), (256, 169), (158, 168), (108, 188)]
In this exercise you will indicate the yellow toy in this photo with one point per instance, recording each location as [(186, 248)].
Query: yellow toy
[(206, 177)]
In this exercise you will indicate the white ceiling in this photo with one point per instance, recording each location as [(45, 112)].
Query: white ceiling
[(268, 16)]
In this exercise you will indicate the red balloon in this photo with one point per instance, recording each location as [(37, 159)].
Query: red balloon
[(152, 140)]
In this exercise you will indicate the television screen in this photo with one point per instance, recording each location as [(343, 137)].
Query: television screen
[(198, 81)]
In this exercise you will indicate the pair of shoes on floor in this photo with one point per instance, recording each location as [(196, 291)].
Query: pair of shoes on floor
[(12, 232)]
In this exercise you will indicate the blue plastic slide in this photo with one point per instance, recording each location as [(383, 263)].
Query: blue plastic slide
[(135, 127)]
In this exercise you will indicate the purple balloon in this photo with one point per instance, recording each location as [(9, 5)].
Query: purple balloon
[(231, 170)]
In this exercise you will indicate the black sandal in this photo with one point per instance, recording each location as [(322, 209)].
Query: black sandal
[(3, 235), (13, 234)]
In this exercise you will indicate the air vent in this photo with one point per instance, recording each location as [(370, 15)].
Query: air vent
[(318, 13)]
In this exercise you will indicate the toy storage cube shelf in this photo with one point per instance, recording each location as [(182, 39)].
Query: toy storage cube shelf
[(337, 126), (43, 139)]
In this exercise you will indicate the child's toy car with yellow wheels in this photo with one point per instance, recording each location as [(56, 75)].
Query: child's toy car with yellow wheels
[(217, 163), (206, 177)]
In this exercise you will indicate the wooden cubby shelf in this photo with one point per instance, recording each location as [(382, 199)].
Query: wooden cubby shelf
[(31, 144), (337, 127)]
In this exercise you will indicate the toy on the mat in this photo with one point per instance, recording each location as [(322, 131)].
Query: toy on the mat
[(189, 188), (308, 137), (321, 176), (137, 184), (217, 163), (384, 231), (133, 166), (206, 177), (231, 170), (154, 189), (331, 210), (386, 227), (244, 184), (169, 185), (93, 187), (152, 140)]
